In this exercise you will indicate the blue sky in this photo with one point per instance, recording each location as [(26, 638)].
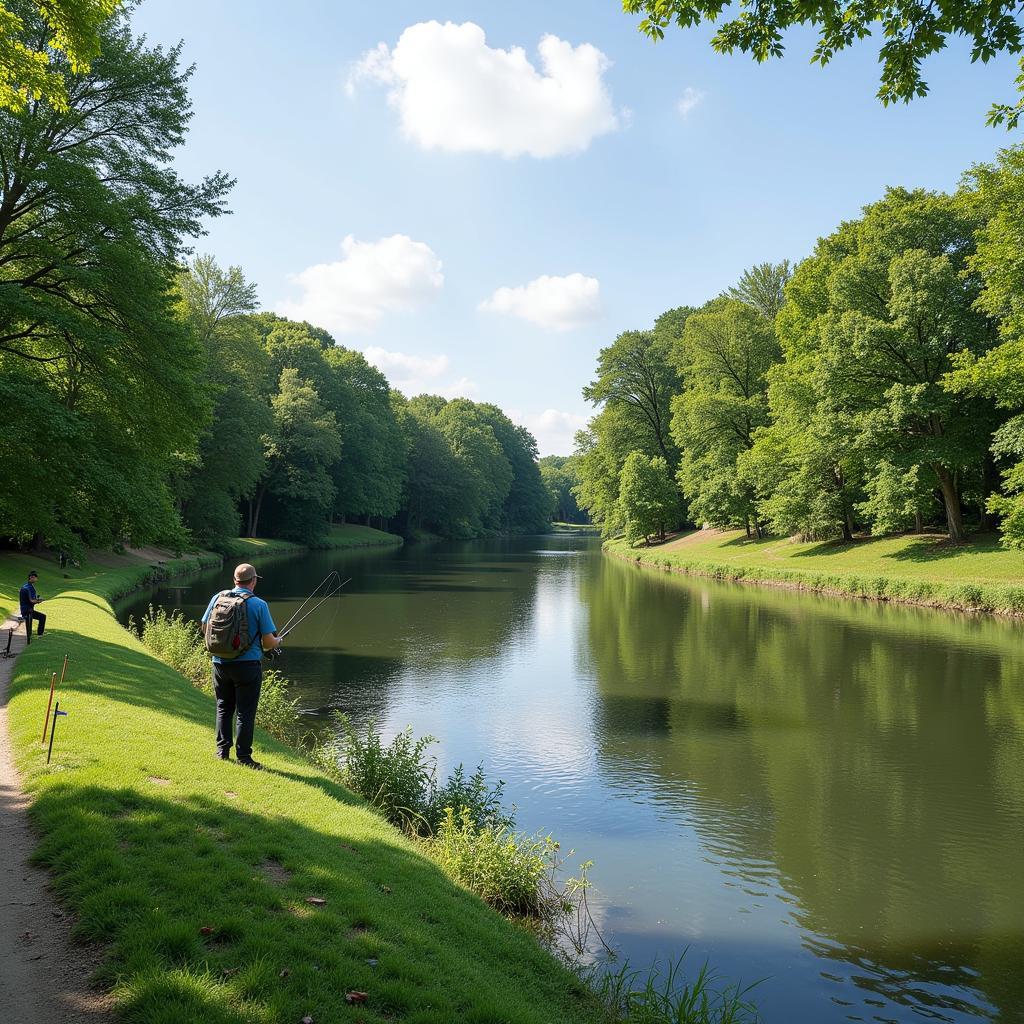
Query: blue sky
[(483, 224)]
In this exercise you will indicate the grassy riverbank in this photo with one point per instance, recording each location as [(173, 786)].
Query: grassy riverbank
[(222, 895), (340, 537), (924, 570)]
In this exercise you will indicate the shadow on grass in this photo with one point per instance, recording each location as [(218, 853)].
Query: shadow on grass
[(120, 673), (941, 548), (198, 930)]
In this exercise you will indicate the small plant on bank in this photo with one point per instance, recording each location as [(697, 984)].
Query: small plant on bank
[(473, 795), (505, 869), (396, 778), (647, 997), (400, 779), (177, 642)]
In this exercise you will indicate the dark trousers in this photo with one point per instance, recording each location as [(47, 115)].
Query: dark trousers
[(28, 617), (236, 685)]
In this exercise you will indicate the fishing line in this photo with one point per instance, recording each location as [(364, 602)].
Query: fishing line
[(331, 575), (293, 622)]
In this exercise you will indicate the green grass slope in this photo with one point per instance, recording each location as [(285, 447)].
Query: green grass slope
[(197, 875), (977, 576)]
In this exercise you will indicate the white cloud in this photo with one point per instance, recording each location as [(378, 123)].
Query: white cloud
[(371, 279), (454, 92), (691, 98), (557, 303), (553, 429), (416, 375)]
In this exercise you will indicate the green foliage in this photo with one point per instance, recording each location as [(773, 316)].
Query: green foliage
[(471, 471), (648, 997), (504, 869), (395, 778), (400, 780), (728, 350), (874, 320), (994, 195), (177, 642), (39, 39), (648, 500), (473, 797), (912, 31), (763, 288), (636, 378), (88, 256), (560, 475), (302, 442), (230, 458)]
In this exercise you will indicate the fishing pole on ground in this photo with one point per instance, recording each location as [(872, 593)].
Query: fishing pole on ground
[(293, 621)]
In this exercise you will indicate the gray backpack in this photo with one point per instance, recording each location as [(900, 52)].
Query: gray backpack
[(226, 633)]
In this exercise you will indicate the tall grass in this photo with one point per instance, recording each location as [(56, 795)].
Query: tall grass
[(653, 997)]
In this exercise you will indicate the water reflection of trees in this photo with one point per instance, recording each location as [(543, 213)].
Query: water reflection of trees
[(873, 754)]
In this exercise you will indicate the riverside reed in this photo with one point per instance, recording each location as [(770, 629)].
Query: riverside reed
[(196, 879), (980, 576)]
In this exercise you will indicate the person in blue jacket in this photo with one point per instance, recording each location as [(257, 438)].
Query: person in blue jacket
[(237, 682), (28, 599)]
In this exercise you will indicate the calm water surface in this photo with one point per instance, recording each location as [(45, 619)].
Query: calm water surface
[(823, 794)]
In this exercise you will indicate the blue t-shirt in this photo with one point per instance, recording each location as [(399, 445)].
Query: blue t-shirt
[(260, 623), (27, 595)]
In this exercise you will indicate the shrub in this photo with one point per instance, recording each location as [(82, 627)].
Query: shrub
[(276, 713), (505, 869), (397, 779), (400, 779), (473, 795)]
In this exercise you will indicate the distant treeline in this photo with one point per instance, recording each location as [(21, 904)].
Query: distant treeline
[(876, 387), (144, 398)]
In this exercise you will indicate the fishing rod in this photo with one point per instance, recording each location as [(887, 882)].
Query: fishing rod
[(330, 576), (293, 622)]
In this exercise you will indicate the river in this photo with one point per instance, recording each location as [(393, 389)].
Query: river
[(822, 795)]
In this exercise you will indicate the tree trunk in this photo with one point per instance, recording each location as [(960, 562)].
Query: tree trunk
[(918, 522), (254, 511), (746, 524), (951, 499)]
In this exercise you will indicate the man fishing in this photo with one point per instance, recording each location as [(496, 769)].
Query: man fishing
[(237, 629)]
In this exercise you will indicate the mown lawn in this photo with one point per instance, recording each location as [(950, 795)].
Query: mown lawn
[(979, 575), (197, 876)]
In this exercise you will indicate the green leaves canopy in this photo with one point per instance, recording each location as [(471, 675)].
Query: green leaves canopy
[(912, 29), (92, 218), (70, 27)]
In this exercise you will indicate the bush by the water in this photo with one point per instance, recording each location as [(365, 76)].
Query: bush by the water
[(506, 869), (400, 778)]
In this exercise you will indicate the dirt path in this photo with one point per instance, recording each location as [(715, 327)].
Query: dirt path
[(44, 975)]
